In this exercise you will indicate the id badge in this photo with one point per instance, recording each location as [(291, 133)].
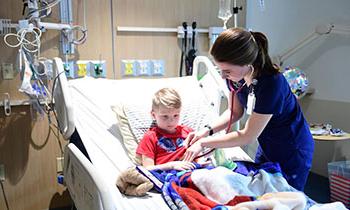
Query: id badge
[(250, 103)]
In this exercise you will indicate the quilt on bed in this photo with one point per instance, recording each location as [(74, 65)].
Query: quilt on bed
[(249, 185)]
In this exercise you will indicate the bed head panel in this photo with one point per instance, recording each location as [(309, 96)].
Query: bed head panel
[(62, 100)]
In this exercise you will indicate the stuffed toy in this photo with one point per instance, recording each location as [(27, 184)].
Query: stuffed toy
[(132, 182)]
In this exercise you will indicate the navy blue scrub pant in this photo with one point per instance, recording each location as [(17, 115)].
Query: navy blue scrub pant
[(295, 168)]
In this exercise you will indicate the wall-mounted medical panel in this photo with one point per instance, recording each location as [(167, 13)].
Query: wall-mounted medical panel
[(82, 68), (157, 67), (69, 69), (143, 67), (128, 68), (97, 68)]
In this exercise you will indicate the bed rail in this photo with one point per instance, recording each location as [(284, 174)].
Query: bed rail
[(63, 104), (85, 183)]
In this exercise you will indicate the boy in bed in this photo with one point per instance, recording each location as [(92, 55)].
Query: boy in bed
[(162, 145)]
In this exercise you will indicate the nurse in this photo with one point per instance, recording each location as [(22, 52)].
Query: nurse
[(258, 88)]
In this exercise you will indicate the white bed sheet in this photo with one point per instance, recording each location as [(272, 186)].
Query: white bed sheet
[(104, 148), (92, 99)]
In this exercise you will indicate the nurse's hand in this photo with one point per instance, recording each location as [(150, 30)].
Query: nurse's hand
[(193, 151), (195, 136)]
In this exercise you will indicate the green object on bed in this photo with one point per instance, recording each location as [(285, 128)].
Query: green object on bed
[(221, 160)]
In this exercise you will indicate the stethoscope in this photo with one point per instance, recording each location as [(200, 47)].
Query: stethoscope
[(234, 91)]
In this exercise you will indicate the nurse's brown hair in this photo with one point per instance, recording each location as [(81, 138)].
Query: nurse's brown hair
[(240, 47)]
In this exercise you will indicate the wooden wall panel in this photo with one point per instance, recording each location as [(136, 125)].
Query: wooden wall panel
[(28, 150)]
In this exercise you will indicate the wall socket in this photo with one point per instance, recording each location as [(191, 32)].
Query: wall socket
[(59, 164), (2, 172)]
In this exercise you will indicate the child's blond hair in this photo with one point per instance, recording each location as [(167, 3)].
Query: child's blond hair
[(167, 97)]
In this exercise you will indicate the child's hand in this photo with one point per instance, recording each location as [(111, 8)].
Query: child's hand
[(193, 151), (182, 165)]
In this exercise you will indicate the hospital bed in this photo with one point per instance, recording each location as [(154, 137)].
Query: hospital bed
[(84, 110)]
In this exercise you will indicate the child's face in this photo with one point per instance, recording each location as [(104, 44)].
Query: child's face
[(167, 118)]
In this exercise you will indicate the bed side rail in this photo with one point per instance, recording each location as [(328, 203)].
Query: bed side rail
[(63, 104), (85, 185)]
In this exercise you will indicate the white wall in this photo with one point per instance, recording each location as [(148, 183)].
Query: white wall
[(325, 60)]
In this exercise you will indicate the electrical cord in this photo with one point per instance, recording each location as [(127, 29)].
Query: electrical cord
[(23, 41), (81, 39), (47, 11), (51, 106), (48, 7), (5, 198)]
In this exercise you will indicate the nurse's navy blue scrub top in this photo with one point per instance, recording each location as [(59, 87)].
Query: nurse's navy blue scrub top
[(286, 138)]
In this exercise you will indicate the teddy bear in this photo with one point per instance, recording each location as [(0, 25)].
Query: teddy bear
[(132, 182)]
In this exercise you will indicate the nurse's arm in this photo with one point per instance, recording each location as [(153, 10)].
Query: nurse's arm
[(252, 129)]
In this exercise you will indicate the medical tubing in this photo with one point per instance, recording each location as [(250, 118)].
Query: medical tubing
[(4, 194)]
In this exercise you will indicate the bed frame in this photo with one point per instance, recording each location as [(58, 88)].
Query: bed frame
[(87, 185)]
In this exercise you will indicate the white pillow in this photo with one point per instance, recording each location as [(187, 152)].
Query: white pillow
[(195, 113)]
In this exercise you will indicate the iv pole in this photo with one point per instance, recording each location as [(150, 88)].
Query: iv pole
[(235, 13)]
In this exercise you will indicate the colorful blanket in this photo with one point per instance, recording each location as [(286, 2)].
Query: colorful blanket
[(248, 186), (198, 189)]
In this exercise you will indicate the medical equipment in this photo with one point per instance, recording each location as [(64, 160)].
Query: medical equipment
[(318, 32), (188, 56), (191, 54), (35, 70), (29, 30), (224, 11), (183, 48), (235, 13)]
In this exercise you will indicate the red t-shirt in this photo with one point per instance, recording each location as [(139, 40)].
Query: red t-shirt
[(163, 147)]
